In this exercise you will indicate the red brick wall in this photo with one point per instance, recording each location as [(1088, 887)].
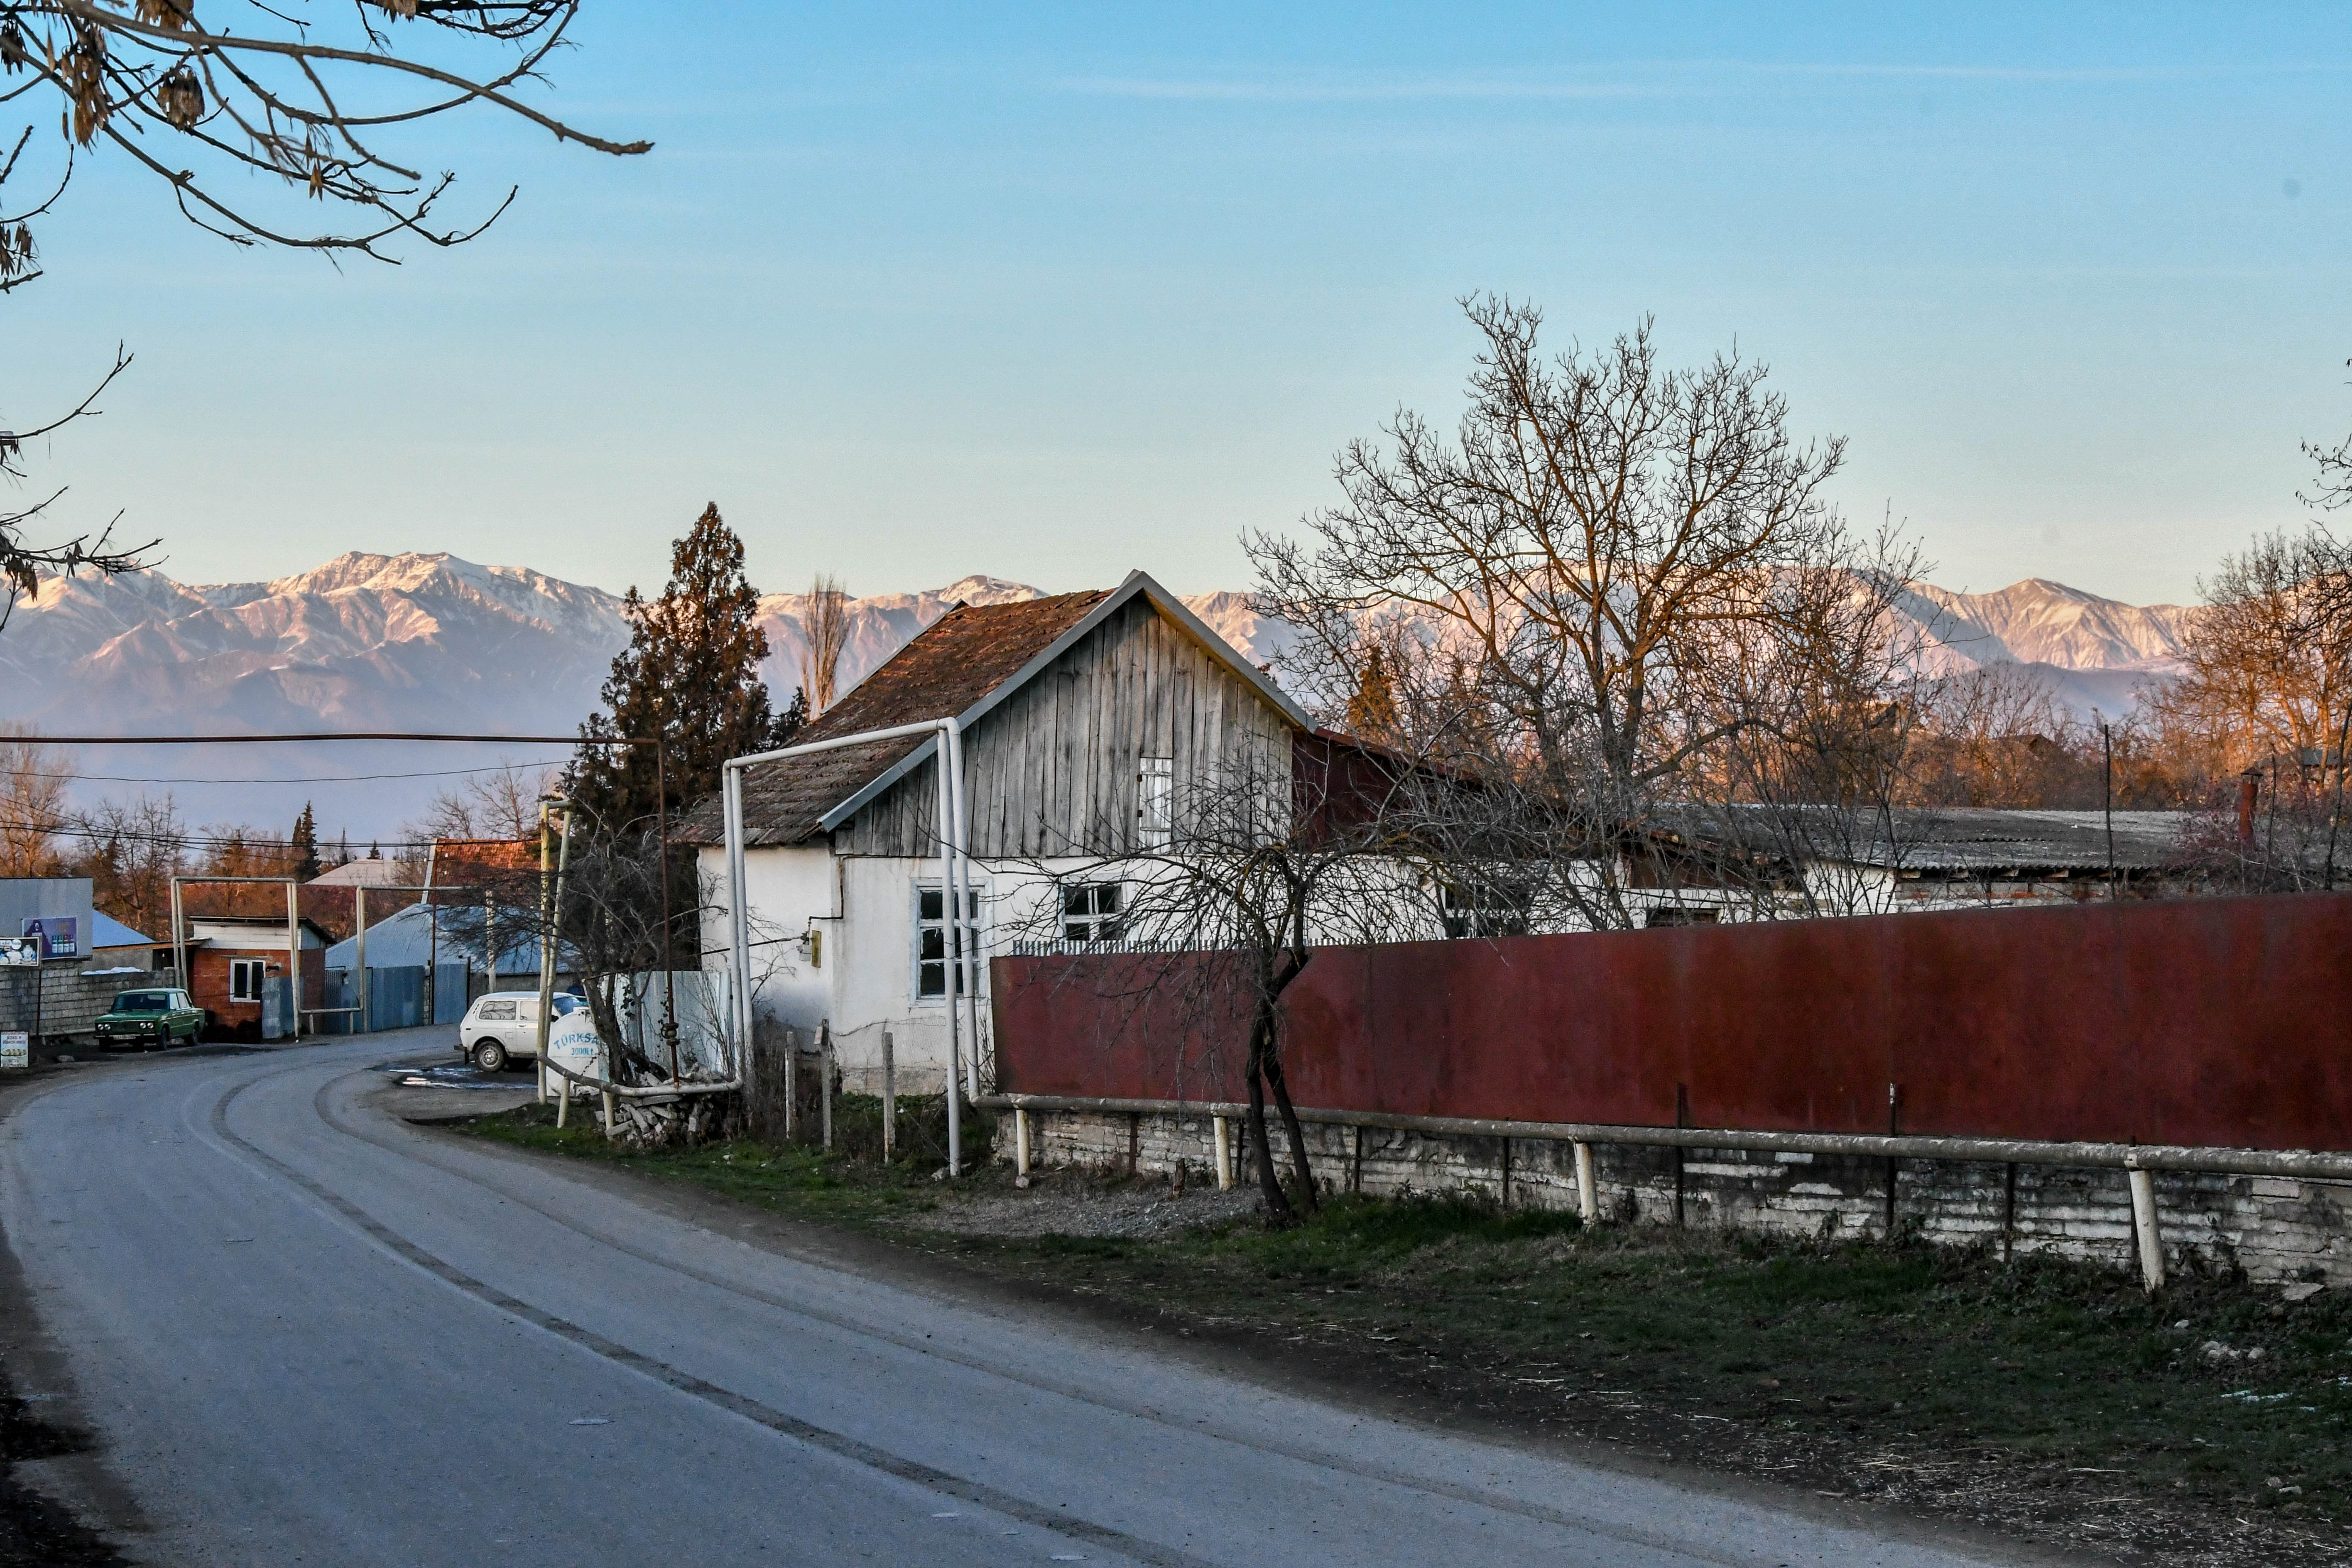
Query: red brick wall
[(208, 981)]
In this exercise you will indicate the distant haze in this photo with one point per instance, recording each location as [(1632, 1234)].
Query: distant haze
[(435, 643)]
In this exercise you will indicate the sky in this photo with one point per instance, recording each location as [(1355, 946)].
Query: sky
[(1054, 292)]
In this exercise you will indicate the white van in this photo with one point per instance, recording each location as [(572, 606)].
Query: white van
[(502, 1024)]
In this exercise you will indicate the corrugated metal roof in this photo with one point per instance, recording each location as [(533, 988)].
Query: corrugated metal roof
[(1937, 841)]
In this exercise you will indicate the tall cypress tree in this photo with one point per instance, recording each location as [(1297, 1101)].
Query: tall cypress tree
[(305, 844), (690, 674)]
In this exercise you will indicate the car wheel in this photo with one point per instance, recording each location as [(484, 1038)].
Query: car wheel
[(489, 1055)]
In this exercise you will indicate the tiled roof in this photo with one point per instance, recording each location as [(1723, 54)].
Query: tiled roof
[(955, 662)]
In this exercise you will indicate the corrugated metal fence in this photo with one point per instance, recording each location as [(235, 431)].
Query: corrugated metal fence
[(2212, 1022)]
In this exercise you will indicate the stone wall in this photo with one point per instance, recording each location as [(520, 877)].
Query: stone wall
[(70, 1001), (2276, 1228)]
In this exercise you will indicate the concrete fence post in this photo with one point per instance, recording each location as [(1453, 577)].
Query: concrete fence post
[(890, 1099), (824, 1077), (1224, 1155), (1021, 1145), (1587, 1200), (2144, 1227)]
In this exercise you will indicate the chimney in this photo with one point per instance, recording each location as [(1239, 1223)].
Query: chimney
[(2250, 783)]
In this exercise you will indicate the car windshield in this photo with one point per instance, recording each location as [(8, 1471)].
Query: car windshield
[(565, 1004), (143, 1002)]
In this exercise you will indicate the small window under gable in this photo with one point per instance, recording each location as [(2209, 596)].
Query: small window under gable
[(1155, 801)]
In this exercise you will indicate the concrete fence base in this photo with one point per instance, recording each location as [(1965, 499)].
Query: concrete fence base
[(2275, 1227)]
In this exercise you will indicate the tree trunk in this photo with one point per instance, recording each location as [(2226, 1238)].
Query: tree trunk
[(1305, 1171), (1279, 1211)]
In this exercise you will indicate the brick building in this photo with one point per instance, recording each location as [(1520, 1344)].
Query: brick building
[(230, 956)]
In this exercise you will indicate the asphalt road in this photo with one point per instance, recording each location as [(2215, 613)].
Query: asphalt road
[(310, 1333)]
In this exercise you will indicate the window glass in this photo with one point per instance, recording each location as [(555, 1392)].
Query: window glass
[(498, 1009), (1090, 912), (931, 945), (142, 1001)]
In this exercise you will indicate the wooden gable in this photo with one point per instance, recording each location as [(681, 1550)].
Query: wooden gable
[(1052, 770)]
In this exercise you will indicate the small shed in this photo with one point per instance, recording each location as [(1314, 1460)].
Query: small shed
[(231, 956)]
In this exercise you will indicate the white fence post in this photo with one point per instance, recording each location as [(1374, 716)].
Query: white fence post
[(2144, 1227)]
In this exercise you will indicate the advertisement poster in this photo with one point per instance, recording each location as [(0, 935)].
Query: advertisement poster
[(15, 1050), (59, 935)]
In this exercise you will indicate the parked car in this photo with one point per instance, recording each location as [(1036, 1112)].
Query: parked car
[(504, 1024), (151, 1018)]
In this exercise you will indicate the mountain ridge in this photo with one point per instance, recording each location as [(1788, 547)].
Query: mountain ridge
[(435, 642)]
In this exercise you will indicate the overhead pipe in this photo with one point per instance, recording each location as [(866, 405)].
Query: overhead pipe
[(948, 738)]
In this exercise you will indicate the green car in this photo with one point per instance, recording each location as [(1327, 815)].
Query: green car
[(150, 1018)]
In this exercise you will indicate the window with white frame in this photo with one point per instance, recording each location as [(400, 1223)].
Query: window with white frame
[(931, 943), (245, 977), (1155, 801), (1090, 912)]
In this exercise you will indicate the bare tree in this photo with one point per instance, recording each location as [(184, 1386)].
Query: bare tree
[(130, 850), (1612, 573), (2334, 464), (503, 804), (2270, 659), (34, 812), (1198, 934), (311, 103), (825, 626), (306, 103)]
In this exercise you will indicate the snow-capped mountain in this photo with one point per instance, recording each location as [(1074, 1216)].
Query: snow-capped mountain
[(436, 643), (2095, 654)]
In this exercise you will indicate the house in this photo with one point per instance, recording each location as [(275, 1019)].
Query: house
[(1084, 715), (230, 958), (1696, 865)]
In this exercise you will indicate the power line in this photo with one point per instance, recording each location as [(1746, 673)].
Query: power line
[(38, 739), (296, 779)]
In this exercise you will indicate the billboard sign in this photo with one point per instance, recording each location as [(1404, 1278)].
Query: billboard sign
[(15, 1049), (59, 935)]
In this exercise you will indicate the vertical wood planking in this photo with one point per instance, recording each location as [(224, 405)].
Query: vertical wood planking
[(1052, 772)]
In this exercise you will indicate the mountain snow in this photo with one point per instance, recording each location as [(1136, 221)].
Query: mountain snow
[(437, 643)]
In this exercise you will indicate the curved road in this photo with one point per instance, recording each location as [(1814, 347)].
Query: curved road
[(308, 1332)]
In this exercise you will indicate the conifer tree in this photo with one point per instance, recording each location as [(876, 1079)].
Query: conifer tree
[(305, 844), (690, 676)]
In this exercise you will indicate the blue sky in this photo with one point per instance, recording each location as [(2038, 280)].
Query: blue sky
[(913, 292)]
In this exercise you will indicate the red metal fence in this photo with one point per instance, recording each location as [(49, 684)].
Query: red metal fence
[(2217, 1022)]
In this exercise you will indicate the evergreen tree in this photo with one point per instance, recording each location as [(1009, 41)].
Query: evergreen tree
[(305, 844), (690, 676), (792, 720)]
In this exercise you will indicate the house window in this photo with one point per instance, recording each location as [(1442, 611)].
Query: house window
[(1484, 911), (1155, 801), (931, 943), (1681, 916), (1090, 912), (245, 976)]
